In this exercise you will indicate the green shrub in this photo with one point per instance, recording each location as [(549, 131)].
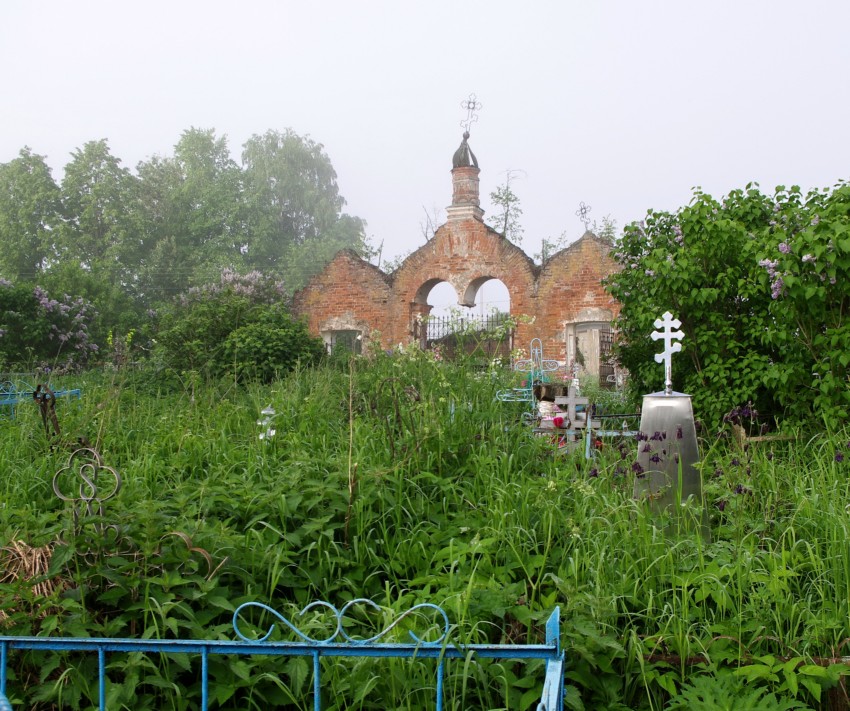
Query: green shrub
[(271, 345), (38, 330), (238, 325), (760, 284)]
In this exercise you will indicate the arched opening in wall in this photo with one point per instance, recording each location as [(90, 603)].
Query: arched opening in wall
[(443, 300), (478, 323), (488, 297)]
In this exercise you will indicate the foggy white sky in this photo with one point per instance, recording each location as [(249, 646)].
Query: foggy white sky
[(623, 104)]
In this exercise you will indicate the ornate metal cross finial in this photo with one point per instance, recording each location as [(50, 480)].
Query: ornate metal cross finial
[(668, 323), (581, 213), (471, 105)]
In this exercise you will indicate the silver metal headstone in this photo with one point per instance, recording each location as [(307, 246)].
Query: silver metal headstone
[(665, 470)]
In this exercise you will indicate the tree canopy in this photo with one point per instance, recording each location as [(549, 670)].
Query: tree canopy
[(761, 284), (176, 221)]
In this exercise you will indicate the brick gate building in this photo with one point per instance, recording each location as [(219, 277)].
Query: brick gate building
[(570, 311)]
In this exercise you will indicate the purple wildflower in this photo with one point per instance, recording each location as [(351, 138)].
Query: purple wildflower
[(722, 504), (655, 459), (839, 457), (593, 472), (637, 468)]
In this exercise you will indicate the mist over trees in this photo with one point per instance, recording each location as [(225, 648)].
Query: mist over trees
[(128, 241)]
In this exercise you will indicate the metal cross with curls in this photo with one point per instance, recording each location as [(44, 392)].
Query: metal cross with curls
[(581, 213), (86, 482), (471, 105)]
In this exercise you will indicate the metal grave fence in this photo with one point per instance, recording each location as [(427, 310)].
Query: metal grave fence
[(339, 644)]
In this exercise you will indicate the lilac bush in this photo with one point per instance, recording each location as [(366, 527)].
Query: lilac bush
[(37, 330)]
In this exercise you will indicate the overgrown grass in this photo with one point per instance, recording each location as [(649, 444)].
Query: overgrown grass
[(400, 479)]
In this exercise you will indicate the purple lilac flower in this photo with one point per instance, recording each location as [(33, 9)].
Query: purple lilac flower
[(776, 288), (815, 220), (808, 258), (784, 247)]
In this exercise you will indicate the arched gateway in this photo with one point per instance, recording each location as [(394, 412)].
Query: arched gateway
[(351, 301)]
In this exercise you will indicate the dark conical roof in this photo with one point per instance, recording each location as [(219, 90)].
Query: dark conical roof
[(464, 157)]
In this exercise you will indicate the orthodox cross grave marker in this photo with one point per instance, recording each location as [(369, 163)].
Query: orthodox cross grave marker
[(665, 470), (668, 335)]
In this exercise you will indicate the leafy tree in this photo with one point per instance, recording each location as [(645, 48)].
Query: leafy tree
[(100, 202), (99, 245), (30, 212), (760, 284), (293, 207), (701, 265), (505, 218), (192, 215)]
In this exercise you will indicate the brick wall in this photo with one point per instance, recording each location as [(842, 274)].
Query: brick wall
[(351, 294)]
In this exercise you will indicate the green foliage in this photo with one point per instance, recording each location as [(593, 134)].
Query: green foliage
[(727, 693), (397, 477), (294, 213), (36, 330), (810, 243), (30, 210), (272, 344), (760, 286), (192, 215), (507, 212), (237, 326)]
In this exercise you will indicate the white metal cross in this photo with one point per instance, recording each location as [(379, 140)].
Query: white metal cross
[(668, 335)]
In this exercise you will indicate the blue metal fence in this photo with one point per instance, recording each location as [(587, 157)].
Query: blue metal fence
[(339, 644)]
